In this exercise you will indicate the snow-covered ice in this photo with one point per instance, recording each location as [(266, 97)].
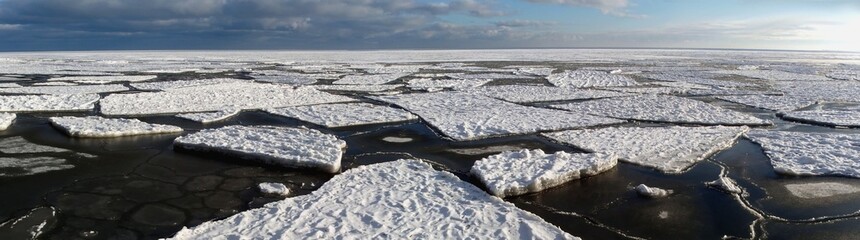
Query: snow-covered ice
[(725, 184), (685, 78), (797, 153), (829, 91), (652, 192), (284, 77), (845, 74), (775, 75), (273, 189), (525, 94), (588, 78), (668, 149), (66, 90), (405, 199), (289, 147), (491, 76), (15, 167), (17, 145), (6, 120), (770, 102), (520, 172), (344, 114), (478, 117), (359, 88), (99, 127), (9, 85), (820, 189), (369, 79), (456, 84), (54, 84), (397, 139), (836, 118), (48, 103), (170, 85), (209, 117), (104, 79), (661, 108)]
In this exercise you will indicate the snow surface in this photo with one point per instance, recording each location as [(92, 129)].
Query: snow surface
[(725, 184), (48, 103), (344, 114), (796, 153), (525, 171), (820, 189), (9, 85), (215, 97), (845, 74), (668, 149), (525, 94), (210, 117), (770, 102), (99, 127), (685, 78), (170, 85), (652, 192), (18, 145), (359, 88), (490, 76), (464, 116), (775, 75), (289, 147), (15, 167), (6, 120), (660, 108), (54, 84), (588, 78), (66, 90), (369, 79), (404, 199), (273, 189), (837, 118), (284, 77), (456, 84), (104, 79)]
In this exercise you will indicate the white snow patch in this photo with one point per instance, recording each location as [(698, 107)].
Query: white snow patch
[(588, 78), (104, 79), (273, 189), (344, 114), (837, 118), (284, 77), (66, 90), (48, 103), (99, 127), (660, 108), (652, 192), (404, 199), (525, 171), (369, 79), (16, 145), (289, 147), (15, 167), (525, 94), (210, 117), (668, 149), (6, 120), (725, 184), (54, 84), (796, 153), (770, 102), (820, 190)]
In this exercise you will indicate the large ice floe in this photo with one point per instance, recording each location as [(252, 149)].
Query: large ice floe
[(820, 189), (828, 91), (65, 90), (775, 75), (6, 120), (9, 85), (438, 84), (210, 117), (463, 116), (588, 78), (344, 114), (215, 97), (668, 149), (519, 172), (770, 102), (661, 108), (288, 147), (99, 127), (15, 167), (170, 85), (359, 88), (369, 79), (797, 153), (835, 118), (404, 199), (525, 94), (18, 145), (104, 79), (48, 103)]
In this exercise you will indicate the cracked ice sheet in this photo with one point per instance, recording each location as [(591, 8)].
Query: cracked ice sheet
[(359, 88), (845, 74), (15, 167), (695, 80), (170, 85), (216, 97), (404, 199), (770, 102), (775, 75), (659, 108), (16, 145), (99, 127), (668, 149), (520, 172), (369, 79), (796, 153), (464, 116), (210, 117), (104, 79), (587, 78), (434, 84), (836, 118), (345, 114), (830, 91), (9, 85), (65, 90), (288, 147), (526, 94), (284, 77), (490, 76), (48, 103)]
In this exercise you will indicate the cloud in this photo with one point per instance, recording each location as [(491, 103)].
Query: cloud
[(616, 7)]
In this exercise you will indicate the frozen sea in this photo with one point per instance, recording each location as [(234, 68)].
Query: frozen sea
[(56, 185)]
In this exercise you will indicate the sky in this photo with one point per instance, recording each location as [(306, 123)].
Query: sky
[(832, 25)]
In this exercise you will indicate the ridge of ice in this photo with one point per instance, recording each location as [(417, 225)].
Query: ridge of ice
[(796, 153), (99, 127), (344, 114), (661, 108), (48, 103), (652, 192), (273, 189), (588, 78), (836, 118), (725, 184)]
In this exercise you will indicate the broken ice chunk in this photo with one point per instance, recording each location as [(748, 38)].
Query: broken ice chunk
[(524, 94), (48, 103), (14, 167), (15, 145), (6, 120), (209, 117), (797, 153), (835, 118), (273, 189), (393, 139), (725, 184), (659, 108), (370, 79), (770, 102), (346, 114), (60, 90), (652, 192), (288, 147), (99, 127), (519, 172), (588, 78), (435, 85), (820, 189), (104, 79)]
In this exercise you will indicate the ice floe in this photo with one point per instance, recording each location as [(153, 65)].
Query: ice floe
[(359, 88), (104, 79), (48, 103), (797, 153), (170, 85), (681, 77), (344, 114), (404, 199), (66, 90), (820, 189), (456, 84), (660, 108), (770, 102), (845, 74), (54, 84), (525, 94), (588, 78), (829, 91), (725, 184), (288, 147), (15, 167), (476, 117), (491, 76), (668, 149), (9, 85), (369, 79), (520, 172), (17, 145), (652, 192), (775, 75), (6, 120), (397, 139), (99, 127), (215, 97), (209, 117), (273, 189), (836, 118), (284, 77)]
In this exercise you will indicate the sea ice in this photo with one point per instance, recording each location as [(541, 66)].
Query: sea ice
[(284, 77), (588, 78), (668, 149), (9, 85), (289, 147), (682, 77), (845, 74), (54, 84), (490, 76), (344, 114), (660, 108), (464, 116), (273, 189), (18, 145), (796, 153), (6, 120), (393, 139), (836, 118), (48, 103), (652, 192), (99, 127), (405, 199), (770, 102), (104, 79), (775, 75), (359, 88), (369, 79), (66, 90), (828, 91), (520, 172), (525, 94), (820, 189), (15, 167), (725, 184), (456, 84), (170, 85), (209, 117)]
